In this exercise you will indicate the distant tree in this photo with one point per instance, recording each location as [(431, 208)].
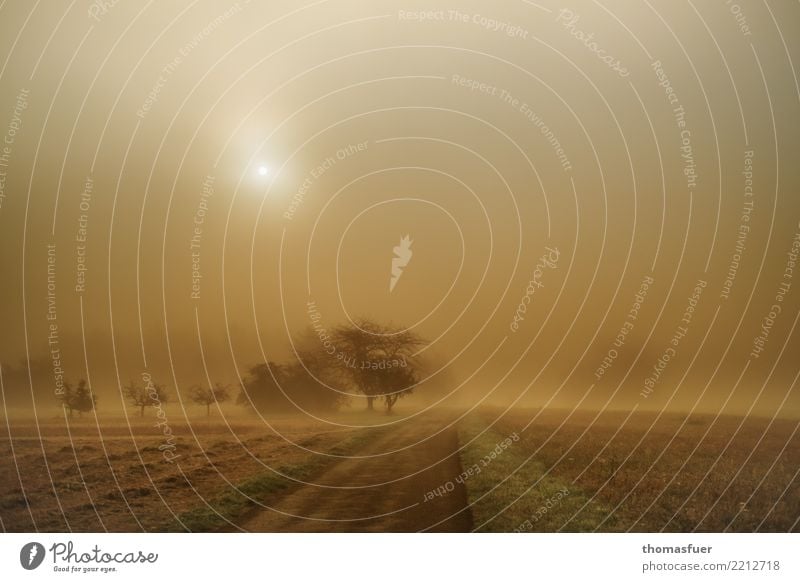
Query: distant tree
[(275, 387), (145, 395), (261, 388), (209, 396), (84, 400), (81, 398), (379, 360)]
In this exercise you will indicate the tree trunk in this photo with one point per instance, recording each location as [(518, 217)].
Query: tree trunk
[(208, 409), (141, 410), (370, 403), (390, 400)]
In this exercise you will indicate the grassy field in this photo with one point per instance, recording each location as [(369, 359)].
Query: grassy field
[(525, 470), (70, 479), (512, 492), (676, 474)]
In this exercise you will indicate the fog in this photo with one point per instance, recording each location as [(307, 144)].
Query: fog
[(183, 187)]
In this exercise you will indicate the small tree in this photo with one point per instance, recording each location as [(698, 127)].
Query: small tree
[(142, 396), (80, 398), (83, 400), (209, 396)]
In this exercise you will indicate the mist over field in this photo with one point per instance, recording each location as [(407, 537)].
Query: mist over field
[(340, 266)]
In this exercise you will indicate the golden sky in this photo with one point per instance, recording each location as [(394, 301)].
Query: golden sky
[(206, 169)]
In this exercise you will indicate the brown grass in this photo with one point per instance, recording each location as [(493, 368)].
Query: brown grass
[(737, 479), (122, 482)]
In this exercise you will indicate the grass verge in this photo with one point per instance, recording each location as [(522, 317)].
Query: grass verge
[(517, 504)]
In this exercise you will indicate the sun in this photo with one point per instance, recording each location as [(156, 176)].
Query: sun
[(263, 170)]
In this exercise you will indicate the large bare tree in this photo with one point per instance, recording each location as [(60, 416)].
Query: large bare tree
[(380, 360)]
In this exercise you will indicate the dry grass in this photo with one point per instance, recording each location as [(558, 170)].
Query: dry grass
[(736, 479), (123, 483), (639, 475)]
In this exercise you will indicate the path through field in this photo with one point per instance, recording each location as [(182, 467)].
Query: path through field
[(385, 491)]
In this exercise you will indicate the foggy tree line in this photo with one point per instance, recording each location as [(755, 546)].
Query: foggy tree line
[(366, 360)]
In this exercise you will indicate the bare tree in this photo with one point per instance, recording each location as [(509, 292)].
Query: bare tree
[(143, 396), (208, 396), (380, 360)]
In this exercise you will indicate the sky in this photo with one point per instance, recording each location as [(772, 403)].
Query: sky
[(601, 198)]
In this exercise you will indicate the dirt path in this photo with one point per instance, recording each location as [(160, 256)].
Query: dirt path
[(395, 499)]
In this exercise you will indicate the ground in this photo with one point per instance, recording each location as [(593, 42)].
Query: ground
[(446, 470)]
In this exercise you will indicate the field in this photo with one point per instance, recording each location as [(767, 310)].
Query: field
[(673, 474), (445, 470)]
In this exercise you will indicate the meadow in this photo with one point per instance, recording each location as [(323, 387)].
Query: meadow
[(638, 472), (495, 471)]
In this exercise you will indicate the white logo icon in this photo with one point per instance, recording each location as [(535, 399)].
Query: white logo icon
[(401, 259)]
